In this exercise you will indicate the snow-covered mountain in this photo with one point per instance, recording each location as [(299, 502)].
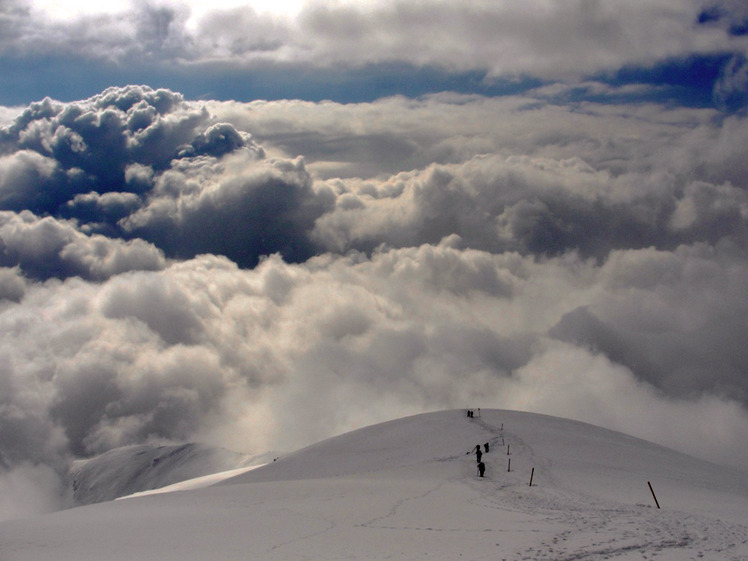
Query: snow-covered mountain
[(408, 489), (131, 469)]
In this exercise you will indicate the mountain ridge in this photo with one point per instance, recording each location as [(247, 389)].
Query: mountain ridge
[(408, 488)]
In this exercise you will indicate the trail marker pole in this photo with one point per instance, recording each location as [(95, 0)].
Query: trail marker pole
[(532, 473), (509, 465), (507, 449), (653, 494)]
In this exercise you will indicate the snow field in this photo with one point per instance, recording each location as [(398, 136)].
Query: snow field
[(408, 489)]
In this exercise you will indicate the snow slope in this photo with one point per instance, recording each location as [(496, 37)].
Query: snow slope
[(133, 469), (408, 489)]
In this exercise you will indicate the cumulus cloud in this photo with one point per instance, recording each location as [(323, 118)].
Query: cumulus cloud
[(144, 165), (532, 205), (60, 150), (239, 208), (207, 274), (12, 285), (47, 248)]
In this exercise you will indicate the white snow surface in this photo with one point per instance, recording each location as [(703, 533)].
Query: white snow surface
[(408, 489), (194, 483)]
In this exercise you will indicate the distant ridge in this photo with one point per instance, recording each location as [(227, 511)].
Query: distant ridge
[(131, 469)]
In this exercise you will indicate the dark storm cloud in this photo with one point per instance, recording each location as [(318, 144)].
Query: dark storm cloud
[(240, 207), (140, 163), (70, 149)]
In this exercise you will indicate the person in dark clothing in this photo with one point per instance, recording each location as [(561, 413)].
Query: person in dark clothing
[(486, 447), (481, 469), (478, 454)]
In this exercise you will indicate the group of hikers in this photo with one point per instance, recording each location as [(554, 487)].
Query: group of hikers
[(477, 449), (479, 456)]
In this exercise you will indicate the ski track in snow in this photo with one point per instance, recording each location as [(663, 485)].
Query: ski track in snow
[(329, 525), (637, 533)]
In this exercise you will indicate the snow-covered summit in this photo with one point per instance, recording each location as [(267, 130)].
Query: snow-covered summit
[(408, 489)]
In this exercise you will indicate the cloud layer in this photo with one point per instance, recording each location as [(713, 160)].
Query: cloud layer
[(544, 39), (264, 275), (335, 49)]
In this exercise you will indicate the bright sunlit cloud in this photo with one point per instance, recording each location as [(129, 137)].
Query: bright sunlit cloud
[(65, 11)]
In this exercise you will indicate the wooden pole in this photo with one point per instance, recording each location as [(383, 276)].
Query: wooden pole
[(509, 465), (532, 473), (507, 449), (653, 494)]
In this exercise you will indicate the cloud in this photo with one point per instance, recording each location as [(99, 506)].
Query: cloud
[(56, 151), (579, 383), (638, 324), (532, 205), (240, 208), (47, 248), (340, 140), (144, 165), (93, 208), (507, 38), (30, 490), (202, 346), (12, 285), (24, 174), (731, 90)]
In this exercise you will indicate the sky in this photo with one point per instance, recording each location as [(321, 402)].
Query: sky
[(259, 225)]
